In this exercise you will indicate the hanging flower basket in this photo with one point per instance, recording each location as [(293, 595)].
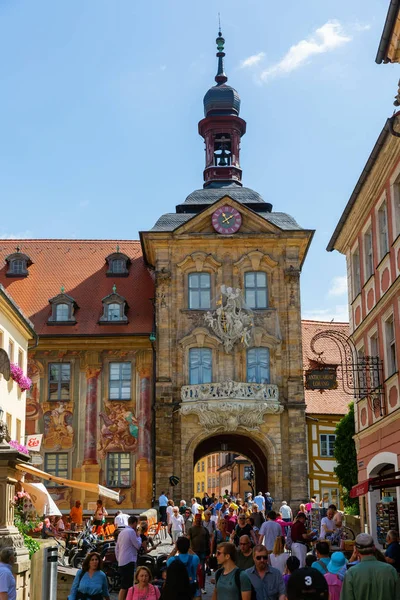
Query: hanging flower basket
[(17, 446), (17, 375)]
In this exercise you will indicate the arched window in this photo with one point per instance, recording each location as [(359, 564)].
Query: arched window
[(17, 267), (199, 291), (18, 264), (256, 289), (114, 312), (200, 365), (258, 365), (62, 312)]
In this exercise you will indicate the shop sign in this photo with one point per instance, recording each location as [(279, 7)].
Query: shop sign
[(34, 442), (321, 379), (359, 490)]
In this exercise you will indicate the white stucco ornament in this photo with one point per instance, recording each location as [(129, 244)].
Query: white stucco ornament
[(230, 416), (231, 322)]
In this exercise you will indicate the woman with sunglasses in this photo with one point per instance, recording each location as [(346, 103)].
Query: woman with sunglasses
[(243, 528)]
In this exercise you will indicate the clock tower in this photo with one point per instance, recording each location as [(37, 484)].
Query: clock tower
[(229, 366), (222, 129)]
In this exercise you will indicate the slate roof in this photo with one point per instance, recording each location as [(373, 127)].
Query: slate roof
[(170, 221), (330, 402), (80, 266), (210, 195)]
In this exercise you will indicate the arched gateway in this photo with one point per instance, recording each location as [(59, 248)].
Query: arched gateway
[(229, 365), (239, 443)]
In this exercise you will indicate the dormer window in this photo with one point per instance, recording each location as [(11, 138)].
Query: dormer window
[(118, 264), (18, 264), (114, 308), (63, 308)]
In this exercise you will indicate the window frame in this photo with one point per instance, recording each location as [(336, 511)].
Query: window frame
[(198, 290), (356, 272), (383, 230), (256, 289), (117, 483), (57, 472), (396, 206), (390, 347), (201, 368), (258, 365), (121, 379), (368, 253), (328, 445), (114, 306), (59, 381)]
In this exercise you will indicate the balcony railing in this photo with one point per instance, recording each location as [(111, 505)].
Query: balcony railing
[(230, 390)]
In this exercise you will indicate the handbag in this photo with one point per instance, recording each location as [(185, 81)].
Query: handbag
[(212, 562)]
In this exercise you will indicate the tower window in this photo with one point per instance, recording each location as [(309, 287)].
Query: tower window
[(256, 289), (199, 291), (200, 365), (258, 365), (222, 150)]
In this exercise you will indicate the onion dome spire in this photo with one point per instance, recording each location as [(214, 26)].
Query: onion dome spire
[(220, 76)]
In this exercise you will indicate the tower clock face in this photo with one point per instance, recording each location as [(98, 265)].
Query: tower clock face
[(226, 219)]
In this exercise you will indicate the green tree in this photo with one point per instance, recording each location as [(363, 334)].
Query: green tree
[(346, 458)]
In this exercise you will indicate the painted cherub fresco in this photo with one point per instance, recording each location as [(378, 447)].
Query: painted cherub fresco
[(58, 429), (119, 430)]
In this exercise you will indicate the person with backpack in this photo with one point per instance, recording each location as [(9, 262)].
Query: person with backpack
[(323, 558), (191, 562), (269, 502), (266, 580), (230, 582)]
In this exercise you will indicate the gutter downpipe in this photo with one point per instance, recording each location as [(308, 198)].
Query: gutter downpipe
[(387, 31)]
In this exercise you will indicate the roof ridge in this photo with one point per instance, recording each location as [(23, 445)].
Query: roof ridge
[(330, 322)]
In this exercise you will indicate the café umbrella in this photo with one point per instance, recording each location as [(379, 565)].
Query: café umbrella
[(95, 488)]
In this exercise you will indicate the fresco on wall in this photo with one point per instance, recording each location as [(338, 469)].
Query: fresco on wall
[(118, 429), (58, 425), (33, 411)]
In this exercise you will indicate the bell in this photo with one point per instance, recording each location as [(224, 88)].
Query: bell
[(222, 160)]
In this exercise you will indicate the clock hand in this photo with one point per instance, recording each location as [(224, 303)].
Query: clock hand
[(227, 219)]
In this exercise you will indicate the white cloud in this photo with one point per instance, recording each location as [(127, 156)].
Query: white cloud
[(338, 313), (16, 236), (252, 60), (338, 286), (325, 39)]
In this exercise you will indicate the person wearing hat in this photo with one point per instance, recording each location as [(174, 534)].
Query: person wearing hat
[(370, 579), (337, 562), (307, 584)]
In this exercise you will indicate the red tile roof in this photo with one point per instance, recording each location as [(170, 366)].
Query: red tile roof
[(330, 402), (79, 266)]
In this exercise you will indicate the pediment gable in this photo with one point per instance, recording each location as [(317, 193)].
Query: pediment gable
[(252, 222)]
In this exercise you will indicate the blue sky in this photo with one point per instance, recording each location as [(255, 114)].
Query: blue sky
[(100, 102)]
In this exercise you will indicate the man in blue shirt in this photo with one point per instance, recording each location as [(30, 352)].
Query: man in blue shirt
[(7, 581), (259, 500), (392, 553), (162, 504), (266, 580), (191, 561)]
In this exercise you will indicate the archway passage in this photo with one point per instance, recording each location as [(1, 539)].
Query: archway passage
[(239, 444)]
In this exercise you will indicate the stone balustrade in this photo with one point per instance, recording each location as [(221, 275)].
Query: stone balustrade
[(230, 390)]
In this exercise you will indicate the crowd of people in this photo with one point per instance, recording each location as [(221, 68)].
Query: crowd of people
[(250, 552)]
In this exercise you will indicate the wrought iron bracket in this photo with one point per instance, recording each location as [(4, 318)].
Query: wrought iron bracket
[(360, 376)]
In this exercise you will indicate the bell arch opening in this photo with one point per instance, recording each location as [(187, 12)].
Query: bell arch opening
[(240, 445)]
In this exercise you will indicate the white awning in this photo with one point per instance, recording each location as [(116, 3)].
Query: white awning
[(96, 488), (41, 499)]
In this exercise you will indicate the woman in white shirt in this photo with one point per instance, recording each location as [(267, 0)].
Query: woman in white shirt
[(176, 524), (279, 557), (169, 511)]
